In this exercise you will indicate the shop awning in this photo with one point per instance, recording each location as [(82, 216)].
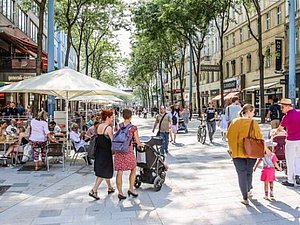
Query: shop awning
[(256, 87), (218, 97), (231, 95), (22, 44)]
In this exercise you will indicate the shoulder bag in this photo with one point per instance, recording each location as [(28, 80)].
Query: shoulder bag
[(158, 132), (254, 148)]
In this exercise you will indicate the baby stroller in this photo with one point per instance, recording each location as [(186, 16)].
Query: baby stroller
[(182, 126), (151, 165), (279, 150)]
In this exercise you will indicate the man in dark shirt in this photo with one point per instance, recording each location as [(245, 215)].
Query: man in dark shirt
[(211, 115), (13, 111), (275, 114)]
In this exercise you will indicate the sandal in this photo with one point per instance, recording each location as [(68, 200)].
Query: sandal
[(93, 194), (110, 190)]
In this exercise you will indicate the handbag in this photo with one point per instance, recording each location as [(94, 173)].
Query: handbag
[(27, 153), (158, 132), (254, 148)]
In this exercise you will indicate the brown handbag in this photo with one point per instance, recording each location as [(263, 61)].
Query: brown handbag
[(254, 148)]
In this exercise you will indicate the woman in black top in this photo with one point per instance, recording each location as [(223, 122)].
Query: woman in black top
[(103, 165)]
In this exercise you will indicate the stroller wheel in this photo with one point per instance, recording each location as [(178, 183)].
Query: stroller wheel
[(158, 183), (138, 181)]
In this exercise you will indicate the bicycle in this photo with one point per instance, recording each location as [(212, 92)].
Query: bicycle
[(202, 131)]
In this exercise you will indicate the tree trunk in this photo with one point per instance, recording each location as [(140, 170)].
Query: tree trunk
[(68, 46), (39, 61), (221, 70), (261, 68), (171, 80), (162, 85)]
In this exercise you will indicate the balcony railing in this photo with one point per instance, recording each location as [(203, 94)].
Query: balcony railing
[(19, 64)]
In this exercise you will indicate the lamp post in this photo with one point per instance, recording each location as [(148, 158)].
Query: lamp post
[(292, 60), (51, 99)]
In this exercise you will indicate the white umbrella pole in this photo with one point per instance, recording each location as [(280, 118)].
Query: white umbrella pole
[(86, 110), (67, 119)]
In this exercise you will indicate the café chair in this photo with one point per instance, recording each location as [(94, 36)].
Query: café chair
[(55, 150)]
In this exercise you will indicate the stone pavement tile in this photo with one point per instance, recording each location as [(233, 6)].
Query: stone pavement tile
[(50, 213), (126, 214), (47, 220), (123, 221), (20, 184), (292, 221), (24, 221)]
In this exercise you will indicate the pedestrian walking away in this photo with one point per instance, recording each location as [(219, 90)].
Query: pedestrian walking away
[(232, 111), (164, 121), (274, 114), (291, 122), (103, 165), (126, 160), (174, 127), (268, 172), (238, 130), (223, 125), (211, 115)]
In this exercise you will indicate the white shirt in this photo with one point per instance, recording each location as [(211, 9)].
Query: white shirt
[(10, 128), (39, 130), (56, 129), (75, 138)]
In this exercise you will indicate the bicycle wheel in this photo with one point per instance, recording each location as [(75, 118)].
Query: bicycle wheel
[(203, 135), (199, 133)]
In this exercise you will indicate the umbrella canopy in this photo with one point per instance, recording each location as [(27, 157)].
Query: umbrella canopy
[(65, 83), (98, 98)]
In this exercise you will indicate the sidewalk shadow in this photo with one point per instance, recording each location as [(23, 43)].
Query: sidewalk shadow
[(276, 205)]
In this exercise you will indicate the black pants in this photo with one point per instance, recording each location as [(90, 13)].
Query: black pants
[(244, 169), (211, 126)]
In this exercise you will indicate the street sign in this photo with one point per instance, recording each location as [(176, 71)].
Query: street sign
[(214, 68), (282, 81)]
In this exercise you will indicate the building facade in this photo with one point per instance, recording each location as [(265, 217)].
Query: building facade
[(18, 48)]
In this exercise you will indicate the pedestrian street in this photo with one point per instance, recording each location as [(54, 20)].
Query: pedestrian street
[(201, 187)]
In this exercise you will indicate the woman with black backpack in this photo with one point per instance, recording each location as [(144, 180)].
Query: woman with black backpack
[(174, 119)]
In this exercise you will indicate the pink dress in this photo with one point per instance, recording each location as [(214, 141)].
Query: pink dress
[(268, 171), (126, 161)]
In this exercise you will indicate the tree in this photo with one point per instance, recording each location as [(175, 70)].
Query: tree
[(222, 19), (248, 4), (26, 5)]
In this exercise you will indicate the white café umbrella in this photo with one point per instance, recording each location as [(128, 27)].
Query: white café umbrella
[(65, 83), (102, 99)]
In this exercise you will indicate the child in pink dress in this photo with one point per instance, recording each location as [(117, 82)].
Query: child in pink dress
[(268, 171)]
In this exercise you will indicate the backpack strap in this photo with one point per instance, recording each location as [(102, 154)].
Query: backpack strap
[(161, 121)]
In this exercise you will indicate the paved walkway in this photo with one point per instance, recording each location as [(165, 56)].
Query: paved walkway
[(201, 188)]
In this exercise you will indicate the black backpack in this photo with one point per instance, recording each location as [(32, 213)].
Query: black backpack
[(275, 112), (174, 118)]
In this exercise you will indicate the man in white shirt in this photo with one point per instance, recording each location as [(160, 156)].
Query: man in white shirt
[(12, 128), (78, 140)]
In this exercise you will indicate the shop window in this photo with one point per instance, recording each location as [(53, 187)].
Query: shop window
[(227, 42), (22, 20), (278, 18), (249, 62), (33, 31), (233, 67), (241, 35), (268, 21), (241, 65), (268, 58), (227, 70), (7, 8)]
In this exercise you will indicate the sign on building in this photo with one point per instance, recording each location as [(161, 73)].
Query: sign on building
[(213, 68)]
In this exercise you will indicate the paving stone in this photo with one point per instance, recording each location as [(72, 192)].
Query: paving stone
[(20, 185), (50, 213)]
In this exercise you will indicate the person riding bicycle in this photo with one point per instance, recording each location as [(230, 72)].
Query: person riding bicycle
[(211, 115)]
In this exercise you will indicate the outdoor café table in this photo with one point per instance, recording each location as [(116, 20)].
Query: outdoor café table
[(6, 142)]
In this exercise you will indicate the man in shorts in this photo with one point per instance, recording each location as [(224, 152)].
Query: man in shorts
[(291, 122)]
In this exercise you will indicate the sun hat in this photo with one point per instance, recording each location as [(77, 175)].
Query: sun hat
[(285, 101)]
